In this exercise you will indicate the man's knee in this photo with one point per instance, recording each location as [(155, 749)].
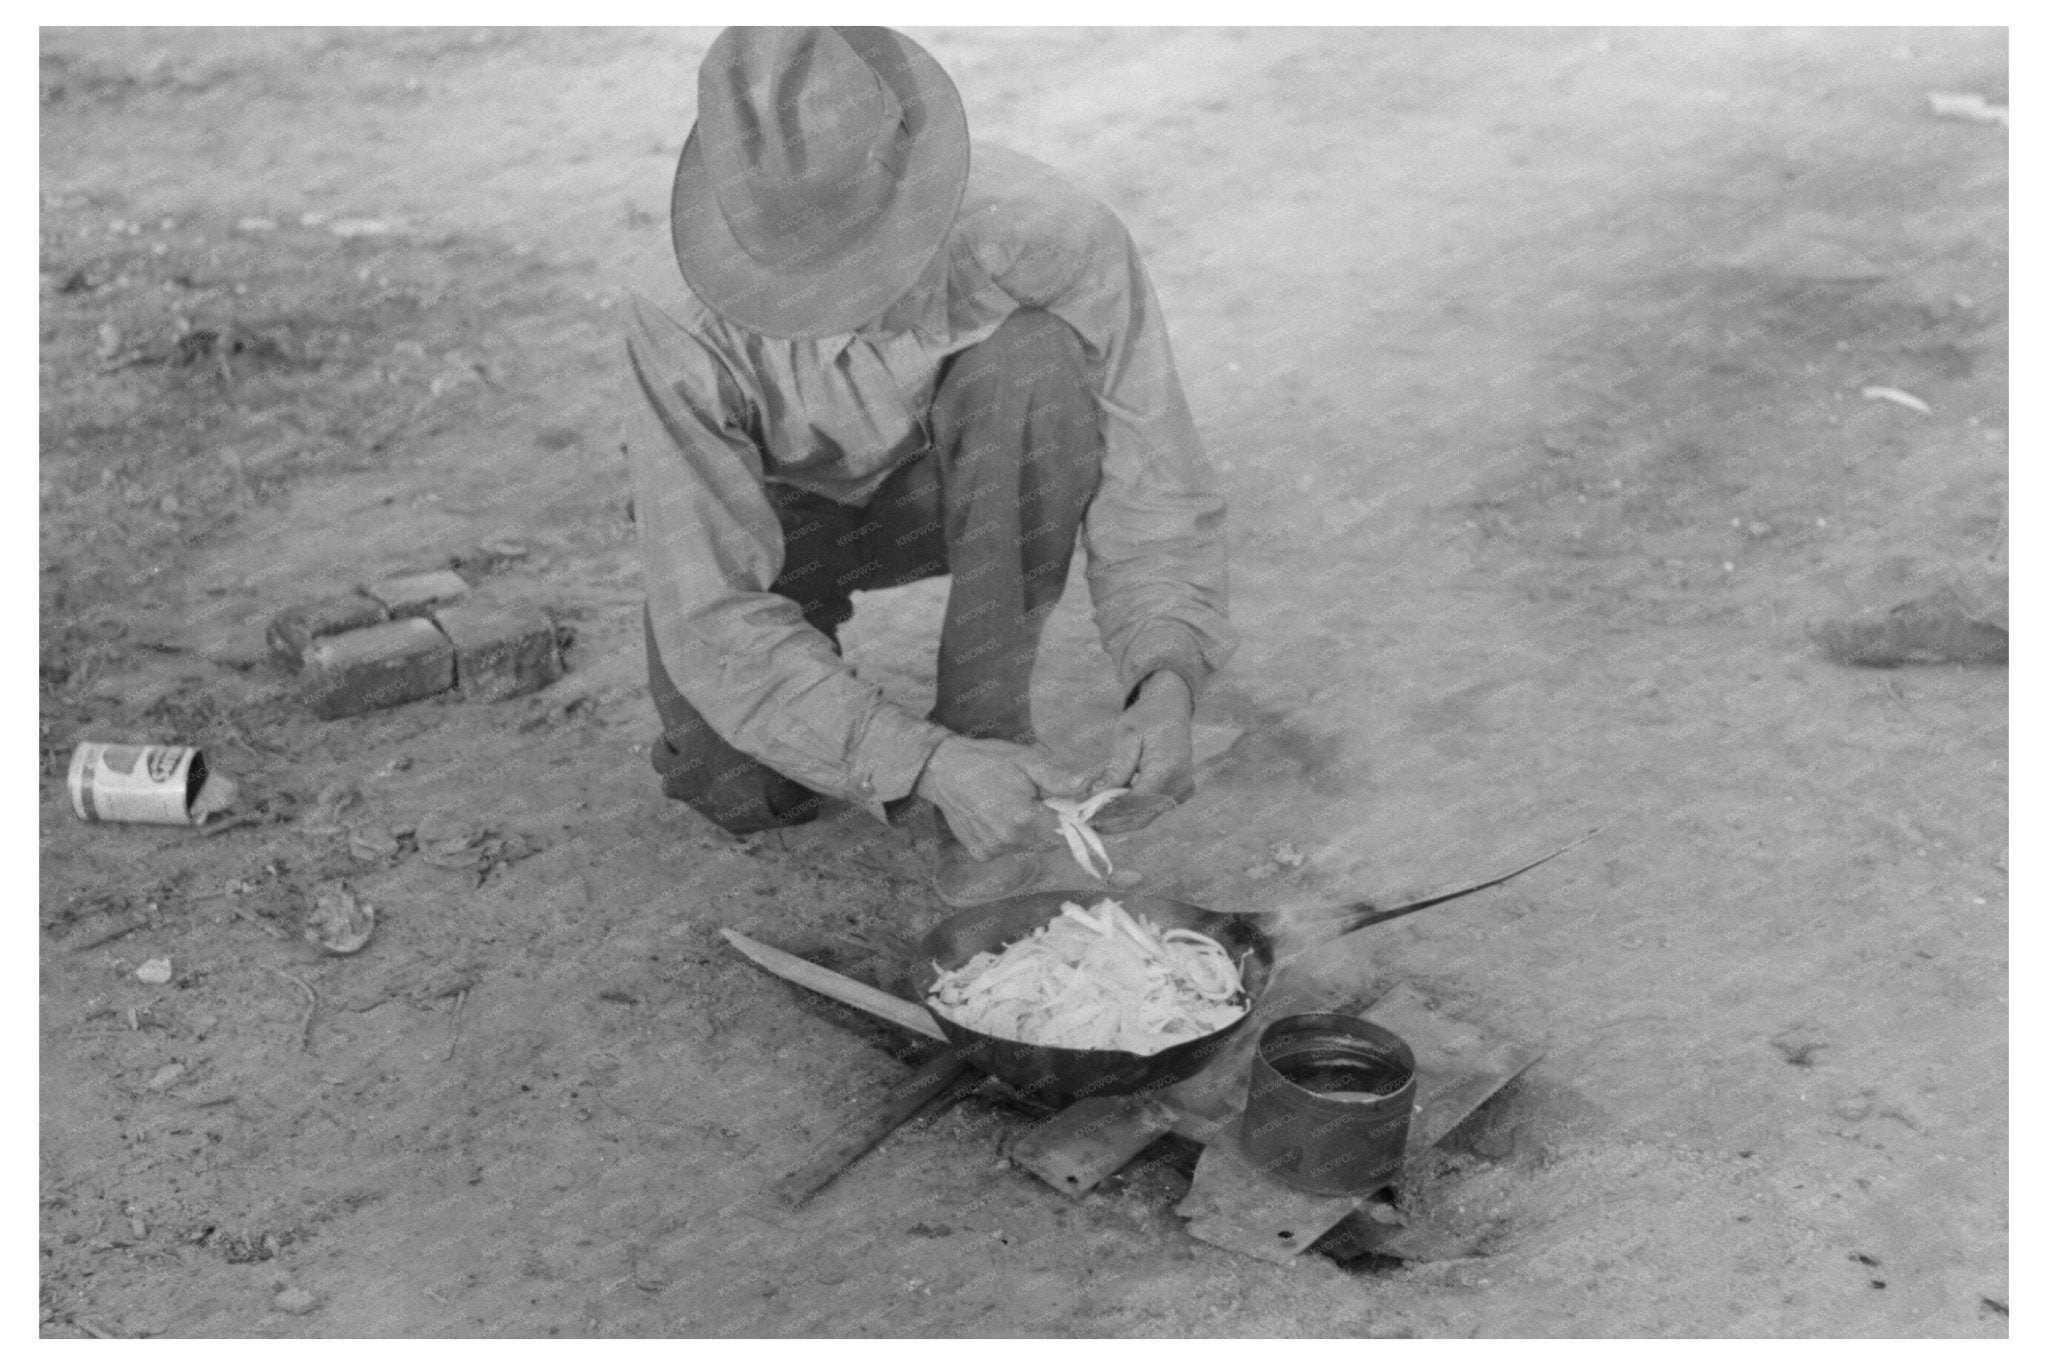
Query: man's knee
[(1034, 338), (1029, 350)]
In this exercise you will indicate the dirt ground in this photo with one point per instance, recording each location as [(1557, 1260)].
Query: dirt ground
[(1532, 361)]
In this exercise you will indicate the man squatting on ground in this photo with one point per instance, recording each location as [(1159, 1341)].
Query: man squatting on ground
[(902, 360)]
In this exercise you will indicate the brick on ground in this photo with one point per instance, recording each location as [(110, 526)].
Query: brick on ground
[(418, 594), (502, 649), (382, 665), (297, 627)]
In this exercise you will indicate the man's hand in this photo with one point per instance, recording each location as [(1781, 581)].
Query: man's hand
[(1152, 753), (990, 790)]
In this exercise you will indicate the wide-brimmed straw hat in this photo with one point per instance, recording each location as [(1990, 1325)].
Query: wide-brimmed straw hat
[(822, 176)]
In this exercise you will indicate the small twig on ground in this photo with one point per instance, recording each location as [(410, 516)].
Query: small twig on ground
[(244, 912), (455, 1023), (249, 741), (312, 1004), (106, 936), (251, 817)]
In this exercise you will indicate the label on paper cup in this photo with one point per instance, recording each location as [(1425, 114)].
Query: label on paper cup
[(153, 784)]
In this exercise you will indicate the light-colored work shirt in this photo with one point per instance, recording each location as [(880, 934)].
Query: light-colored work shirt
[(721, 411)]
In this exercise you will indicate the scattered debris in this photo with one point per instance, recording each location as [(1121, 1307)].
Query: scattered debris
[(312, 1004), (167, 1076), (334, 800), (448, 841), (365, 227), (295, 1300), (1937, 629), (243, 912), (220, 345), (490, 557), (247, 1248), (336, 922), (459, 845), (1797, 1051), (271, 810), (155, 972), (372, 843), (108, 935), (455, 1023), (1899, 396), (442, 982), (1971, 106)]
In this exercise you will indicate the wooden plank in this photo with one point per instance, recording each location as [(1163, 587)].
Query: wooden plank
[(844, 989)]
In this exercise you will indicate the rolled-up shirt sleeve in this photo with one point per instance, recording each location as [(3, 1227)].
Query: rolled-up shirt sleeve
[(1154, 534), (711, 547)]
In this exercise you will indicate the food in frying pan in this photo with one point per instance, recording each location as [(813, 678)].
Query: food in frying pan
[(1097, 979)]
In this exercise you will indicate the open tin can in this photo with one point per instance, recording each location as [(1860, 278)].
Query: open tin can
[(1330, 1100), (155, 784)]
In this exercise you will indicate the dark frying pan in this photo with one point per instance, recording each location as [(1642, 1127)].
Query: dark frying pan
[(1057, 1076)]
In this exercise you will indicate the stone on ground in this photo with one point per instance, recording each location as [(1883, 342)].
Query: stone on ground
[(419, 593), (502, 650), (296, 627), (384, 665)]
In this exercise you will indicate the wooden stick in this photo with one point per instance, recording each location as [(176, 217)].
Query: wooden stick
[(106, 936), (312, 1004), (244, 912), (251, 817), (455, 1024), (844, 989), (930, 1084)]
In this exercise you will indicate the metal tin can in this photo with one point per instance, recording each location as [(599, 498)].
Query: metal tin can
[(155, 784), (1330, 1100)]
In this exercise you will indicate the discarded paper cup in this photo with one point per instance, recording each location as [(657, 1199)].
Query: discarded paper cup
[(1329, 1103), (152, 784)]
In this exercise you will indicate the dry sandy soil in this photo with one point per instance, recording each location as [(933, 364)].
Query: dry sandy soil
[(1532, 361)]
